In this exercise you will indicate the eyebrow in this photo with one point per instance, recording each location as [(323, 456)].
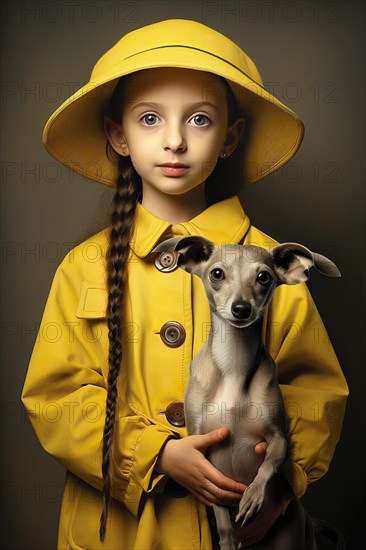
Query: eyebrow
[(154, 105)]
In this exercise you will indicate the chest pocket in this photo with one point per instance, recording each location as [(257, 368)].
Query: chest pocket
[(92, 308), (93, 301)]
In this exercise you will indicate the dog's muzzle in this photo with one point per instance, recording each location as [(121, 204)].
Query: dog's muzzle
[(241, 310)]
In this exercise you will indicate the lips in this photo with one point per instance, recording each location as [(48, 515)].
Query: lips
[(173, 169), (173, 165)]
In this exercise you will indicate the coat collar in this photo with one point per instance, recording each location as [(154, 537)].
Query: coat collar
[(222, 222)]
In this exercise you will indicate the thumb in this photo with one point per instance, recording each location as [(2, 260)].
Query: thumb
[(261, 448), (211, 438)]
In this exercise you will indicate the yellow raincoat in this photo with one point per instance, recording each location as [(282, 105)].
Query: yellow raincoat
[(65, 388)]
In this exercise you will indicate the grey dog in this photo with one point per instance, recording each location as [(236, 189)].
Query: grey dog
[(233, 379)]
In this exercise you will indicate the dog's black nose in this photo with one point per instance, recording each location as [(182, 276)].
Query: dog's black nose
[(241, 310)]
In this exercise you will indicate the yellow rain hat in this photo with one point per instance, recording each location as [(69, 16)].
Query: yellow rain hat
[(74, 133)]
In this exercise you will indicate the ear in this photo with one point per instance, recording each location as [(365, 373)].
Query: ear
[(233, 136), (116, 136), (292, 262), (193, 250)]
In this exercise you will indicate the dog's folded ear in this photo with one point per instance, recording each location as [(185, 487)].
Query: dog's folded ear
[(192, 249), (292, 262)]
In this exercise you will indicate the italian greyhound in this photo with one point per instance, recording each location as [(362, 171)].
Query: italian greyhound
[(233, 379)]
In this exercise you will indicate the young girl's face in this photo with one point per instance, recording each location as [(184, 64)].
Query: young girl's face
[(173, 115)]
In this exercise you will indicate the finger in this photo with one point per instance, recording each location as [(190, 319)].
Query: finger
[(211, 438), (221, 481), (201, 497), (218, 495), (261, 448), (198, 494)]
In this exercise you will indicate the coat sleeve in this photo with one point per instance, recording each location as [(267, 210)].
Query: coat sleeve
[(65, 395), (312, 383)]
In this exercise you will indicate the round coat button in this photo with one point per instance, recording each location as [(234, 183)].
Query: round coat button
[(166, 261), (172, 334), (175, 413)]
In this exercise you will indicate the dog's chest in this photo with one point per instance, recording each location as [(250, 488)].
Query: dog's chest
[(227, 388), (245, 413)]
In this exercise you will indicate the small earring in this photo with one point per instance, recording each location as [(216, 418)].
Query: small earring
[(223, 155)]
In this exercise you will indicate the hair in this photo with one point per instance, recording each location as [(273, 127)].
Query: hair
[(128, 192)]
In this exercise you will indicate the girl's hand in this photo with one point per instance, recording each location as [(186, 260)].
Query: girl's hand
[(184, 461)]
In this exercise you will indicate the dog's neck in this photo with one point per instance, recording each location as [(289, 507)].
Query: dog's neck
[(235, 351)]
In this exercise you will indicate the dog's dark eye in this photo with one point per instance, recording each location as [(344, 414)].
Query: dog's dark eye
[(217, 275), (264, 278)]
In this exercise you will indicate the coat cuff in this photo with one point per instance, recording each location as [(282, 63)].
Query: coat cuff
[(142, 476), (297, 480)]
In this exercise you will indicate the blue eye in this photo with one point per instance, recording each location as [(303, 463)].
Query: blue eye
[(202, 120), (149, 117)]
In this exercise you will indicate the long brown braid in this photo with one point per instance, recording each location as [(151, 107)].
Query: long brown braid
[(125, 200), (128, 190)]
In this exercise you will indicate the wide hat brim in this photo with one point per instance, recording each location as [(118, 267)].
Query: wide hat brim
[(74, 133)]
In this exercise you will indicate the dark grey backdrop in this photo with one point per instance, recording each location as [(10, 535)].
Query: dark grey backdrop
[(311, 55)]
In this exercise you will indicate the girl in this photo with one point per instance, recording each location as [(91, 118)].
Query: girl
[(176, 117)]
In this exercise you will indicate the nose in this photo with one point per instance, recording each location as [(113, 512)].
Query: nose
[(174, 139), (241, 310)]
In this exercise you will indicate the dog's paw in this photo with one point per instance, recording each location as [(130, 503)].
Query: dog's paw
[(250, 503)]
